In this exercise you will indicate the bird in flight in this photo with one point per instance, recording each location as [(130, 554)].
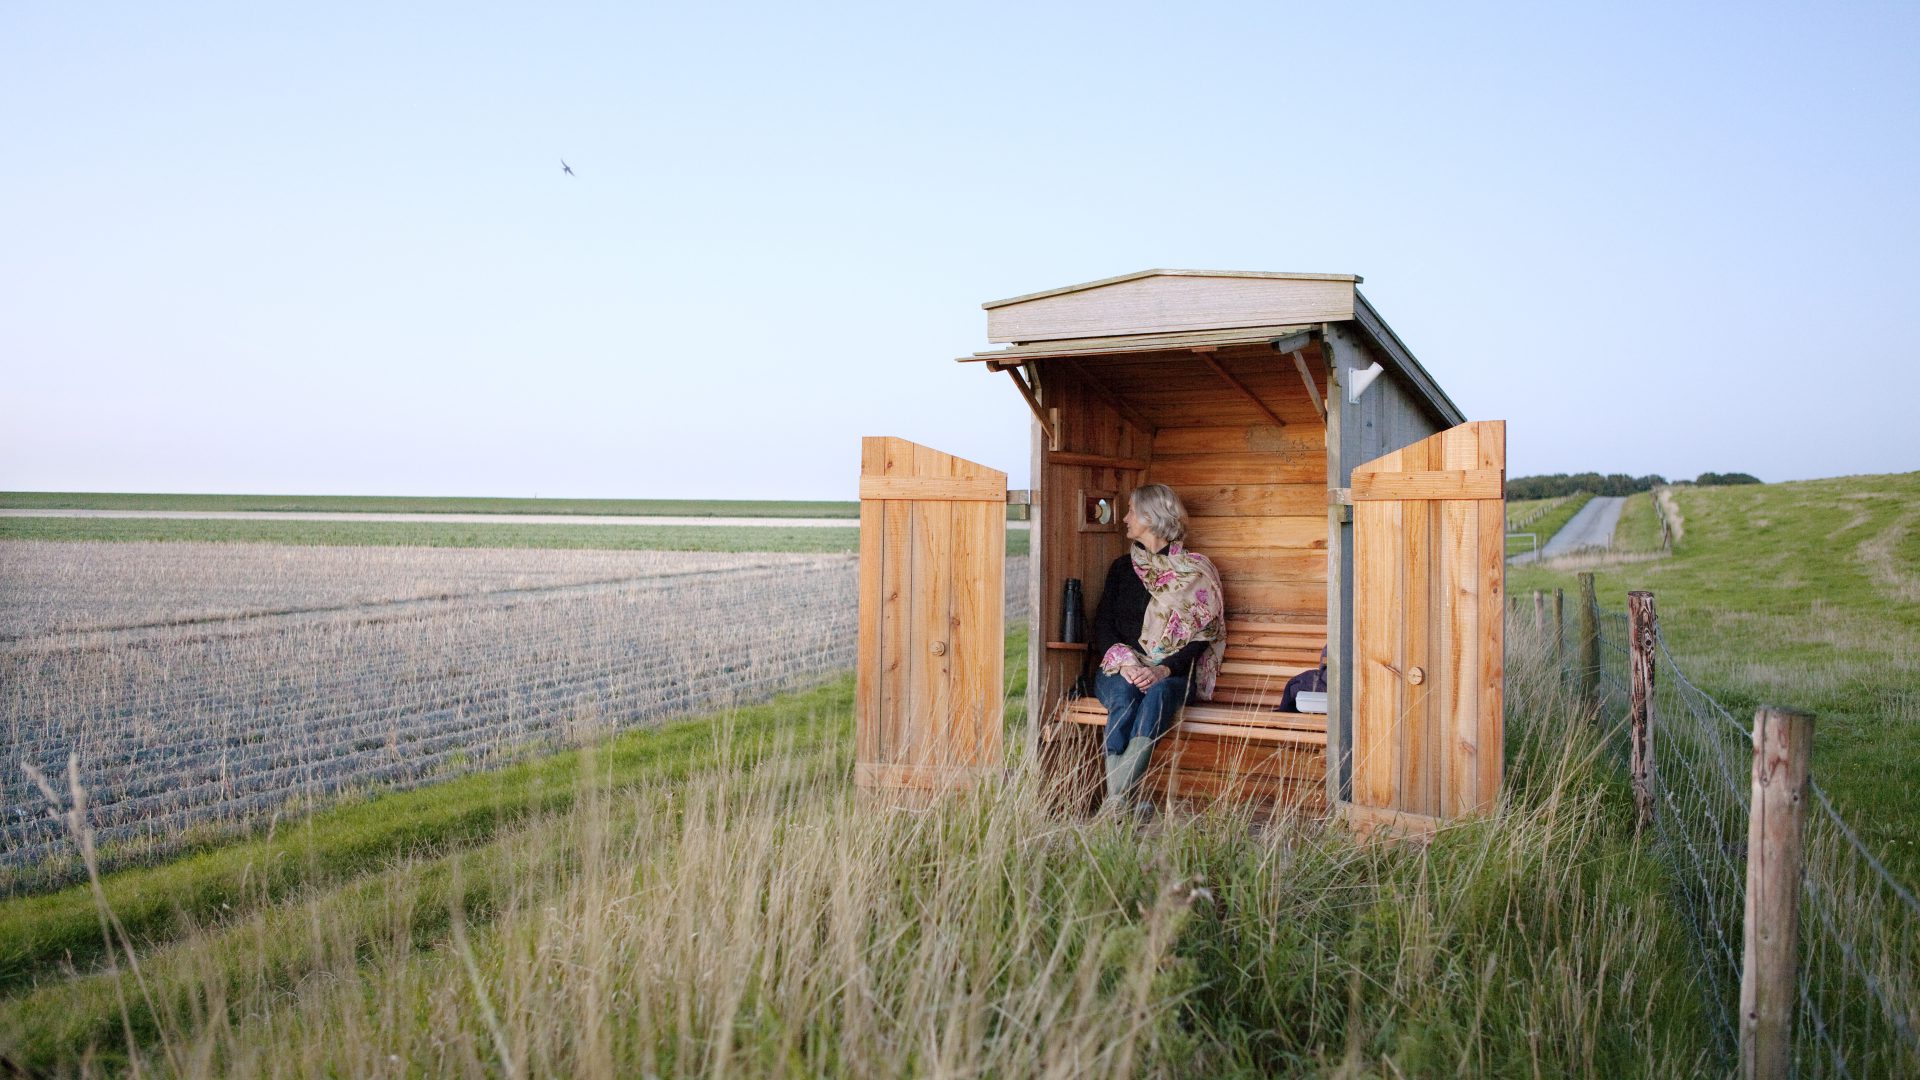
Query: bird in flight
[(566, 168)]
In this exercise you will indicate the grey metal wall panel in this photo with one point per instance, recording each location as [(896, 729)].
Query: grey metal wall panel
[(1389, 415)]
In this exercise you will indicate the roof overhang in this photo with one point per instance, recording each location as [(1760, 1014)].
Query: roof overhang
[(1399, 359), (1015, 355), (1227, 304), (1170, 302)]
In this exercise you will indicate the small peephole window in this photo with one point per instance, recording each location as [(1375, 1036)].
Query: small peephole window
[(1103, 512)]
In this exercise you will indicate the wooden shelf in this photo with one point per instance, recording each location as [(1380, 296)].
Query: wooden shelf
[(1068, 646)]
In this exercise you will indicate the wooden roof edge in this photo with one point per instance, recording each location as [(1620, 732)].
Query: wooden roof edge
[(1064, 289), (1096, 346), (1401, 358)]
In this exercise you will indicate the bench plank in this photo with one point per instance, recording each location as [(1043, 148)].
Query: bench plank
[(1237, 745)]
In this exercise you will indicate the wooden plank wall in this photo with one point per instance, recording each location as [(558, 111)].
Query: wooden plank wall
[(928, 703), (1429, 620), (1088, 425), (1256, 491), (1387, 417)]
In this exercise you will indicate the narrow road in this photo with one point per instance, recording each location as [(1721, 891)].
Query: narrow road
[(1592, 527)]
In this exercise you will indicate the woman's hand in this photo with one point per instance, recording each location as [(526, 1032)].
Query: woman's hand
[(1143, 678)]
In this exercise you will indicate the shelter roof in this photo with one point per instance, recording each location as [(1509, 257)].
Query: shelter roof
[(1138, 274), (1166, 310)]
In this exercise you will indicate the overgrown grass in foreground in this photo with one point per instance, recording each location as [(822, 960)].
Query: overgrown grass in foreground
[(760, 918), (811, 539), (407, 504), (1802, 594)]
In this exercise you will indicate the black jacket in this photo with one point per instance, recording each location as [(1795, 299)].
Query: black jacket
[(1122, 613)]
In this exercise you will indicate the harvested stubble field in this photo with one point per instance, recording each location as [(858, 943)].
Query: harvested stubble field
[(208, 687)]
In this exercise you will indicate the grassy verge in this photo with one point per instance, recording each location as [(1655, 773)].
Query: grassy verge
[(400, 504), (1549, 523), (1518, 510), (1638, 529), (757, 918), (812, 539), (1804, 594)]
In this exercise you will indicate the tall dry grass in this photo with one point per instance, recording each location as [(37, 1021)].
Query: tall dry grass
[(769, 921)]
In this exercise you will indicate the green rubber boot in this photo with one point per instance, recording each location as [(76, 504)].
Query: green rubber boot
[(1116, 783), (1132, 767)]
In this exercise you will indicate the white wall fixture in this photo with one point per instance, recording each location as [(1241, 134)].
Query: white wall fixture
[(1358, 381)]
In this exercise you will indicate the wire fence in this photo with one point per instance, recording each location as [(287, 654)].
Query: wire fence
[(1859, 970)]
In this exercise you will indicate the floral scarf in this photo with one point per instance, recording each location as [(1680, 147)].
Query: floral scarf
[(1184, 604)]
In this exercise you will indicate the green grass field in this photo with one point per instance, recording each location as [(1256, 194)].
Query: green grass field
[(713, 897), (1799, 594), (817, 539), (401, 504)]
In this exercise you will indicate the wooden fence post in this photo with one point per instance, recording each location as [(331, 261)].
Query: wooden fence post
[(1539, 613), (1644, 631), (1589, 681), (1560, 633), (1782, 745)]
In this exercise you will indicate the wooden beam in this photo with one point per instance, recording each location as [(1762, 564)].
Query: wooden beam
[(1033, 403), (1300, 362), (1098, 461), (1118, 403), (1293, 342), (1207, 357), (1175, 344), (1428, 484), (934, 488)]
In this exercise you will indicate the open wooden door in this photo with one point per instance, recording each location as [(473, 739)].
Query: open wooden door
[(1429, 524), (933, 543)]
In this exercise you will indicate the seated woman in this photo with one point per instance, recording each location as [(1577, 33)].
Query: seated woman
[(1160, 630)]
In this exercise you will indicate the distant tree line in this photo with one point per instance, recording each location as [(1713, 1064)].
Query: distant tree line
[(1552, 487)]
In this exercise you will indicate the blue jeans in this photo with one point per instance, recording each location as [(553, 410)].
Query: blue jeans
[(1134, 715)]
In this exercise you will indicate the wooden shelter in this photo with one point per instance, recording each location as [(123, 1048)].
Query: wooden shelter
[(1343, 496)]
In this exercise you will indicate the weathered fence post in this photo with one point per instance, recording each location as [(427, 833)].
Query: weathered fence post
[(1644, 627), (1560, 634), (1782, 745), (1539, 613), (1589, 640)]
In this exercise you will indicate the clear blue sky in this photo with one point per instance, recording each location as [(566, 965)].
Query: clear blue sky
[(329, 249)]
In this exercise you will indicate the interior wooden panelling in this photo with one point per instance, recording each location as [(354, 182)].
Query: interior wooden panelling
[(1089, 424), (1257, 495)]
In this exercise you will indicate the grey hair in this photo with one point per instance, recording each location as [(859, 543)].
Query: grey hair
[(1161, 510)]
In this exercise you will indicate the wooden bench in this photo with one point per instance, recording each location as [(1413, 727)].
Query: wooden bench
[(1236, 745)]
